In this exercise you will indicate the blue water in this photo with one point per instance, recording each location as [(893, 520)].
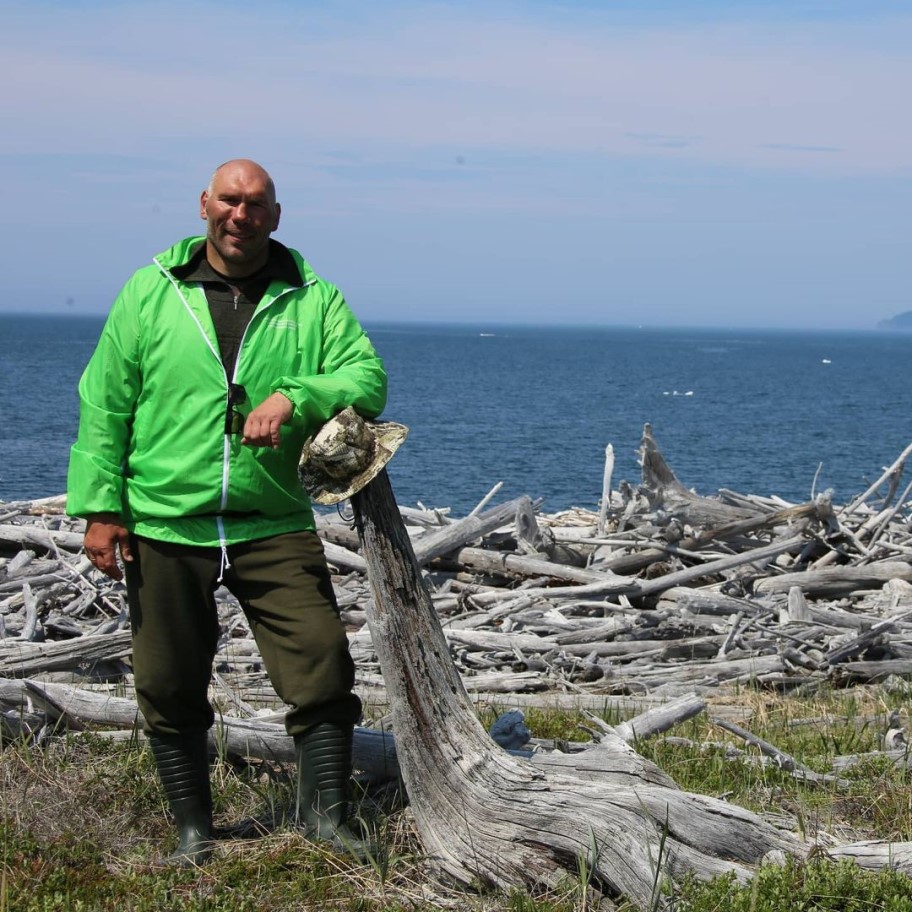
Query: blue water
[(758, 412)]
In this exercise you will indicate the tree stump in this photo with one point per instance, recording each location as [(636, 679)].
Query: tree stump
[(487, 817)]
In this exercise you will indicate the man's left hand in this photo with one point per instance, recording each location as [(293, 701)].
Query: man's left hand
[(262, 425)]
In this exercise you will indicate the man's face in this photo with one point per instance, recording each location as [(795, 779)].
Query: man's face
[(241, 213)]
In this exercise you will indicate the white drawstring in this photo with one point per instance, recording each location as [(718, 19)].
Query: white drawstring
[(225, 563)]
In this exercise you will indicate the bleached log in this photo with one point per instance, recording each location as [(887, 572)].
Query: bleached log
[(508, 564), (12, 692), (605, 503), (18, 563), (835, 619), (37, 581), (30, 625), (574, 702), (53, 505), (900, 757), (656, 650), (661, 718), (28, 659), (375, 761), (373, 752), (874, 855), (708, 601), (871, 672), (821, 509), (637, 588), (633, 561), (516, 683), (609, 758), (452, 537), (529, 643), (338, 556), (877, 525), (667, 492), (485, 500), (722, 565), (891, 472), (859, 644), (32, 536), (707, 673), (780, 758), (504, 642), (836, 582), (484, 815), (528, 535), (589, 630), (78, 707), (797, 605)]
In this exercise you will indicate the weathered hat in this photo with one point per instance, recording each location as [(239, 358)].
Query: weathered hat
[(345, 454)]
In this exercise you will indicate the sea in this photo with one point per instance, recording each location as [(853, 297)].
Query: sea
[(532, 409)]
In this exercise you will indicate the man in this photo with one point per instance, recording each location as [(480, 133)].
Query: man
[(216, 362)]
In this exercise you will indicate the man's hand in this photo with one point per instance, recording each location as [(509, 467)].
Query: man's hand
[(105, 534), (262, 425)]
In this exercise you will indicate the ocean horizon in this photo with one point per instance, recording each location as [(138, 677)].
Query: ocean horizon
[(773, 412), (453, 323)]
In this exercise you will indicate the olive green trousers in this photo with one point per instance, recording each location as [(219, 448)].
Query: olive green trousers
[(285, 590)]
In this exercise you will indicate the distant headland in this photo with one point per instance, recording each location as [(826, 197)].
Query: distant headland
[(901, 321)]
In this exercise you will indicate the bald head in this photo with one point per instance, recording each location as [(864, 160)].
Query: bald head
[(240, 210), (248, 166)]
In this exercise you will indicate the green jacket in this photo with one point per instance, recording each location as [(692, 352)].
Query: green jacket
[(153, 400)]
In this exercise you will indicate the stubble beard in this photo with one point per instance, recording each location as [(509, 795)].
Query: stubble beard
[(236, 256)]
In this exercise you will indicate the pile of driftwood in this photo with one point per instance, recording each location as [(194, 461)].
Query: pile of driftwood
[(662, 593), (659, 599)]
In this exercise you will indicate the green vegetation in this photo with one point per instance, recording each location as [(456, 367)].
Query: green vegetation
[(795, 887), (83, 823)]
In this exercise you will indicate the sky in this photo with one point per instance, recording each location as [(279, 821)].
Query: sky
[(616, 163)]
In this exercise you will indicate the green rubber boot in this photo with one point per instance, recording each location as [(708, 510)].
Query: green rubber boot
[(183, 767), (324, 769)]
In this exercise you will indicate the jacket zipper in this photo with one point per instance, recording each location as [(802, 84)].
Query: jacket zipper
[(226, 446)]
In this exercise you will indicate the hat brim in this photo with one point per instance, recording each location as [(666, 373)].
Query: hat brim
[(326, 490)]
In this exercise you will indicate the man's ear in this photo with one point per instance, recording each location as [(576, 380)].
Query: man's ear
[(278, 215), (204, 198)]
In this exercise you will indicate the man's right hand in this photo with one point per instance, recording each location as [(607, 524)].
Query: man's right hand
[(105, 535)]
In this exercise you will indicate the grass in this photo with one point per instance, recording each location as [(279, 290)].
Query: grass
[(83, 822)]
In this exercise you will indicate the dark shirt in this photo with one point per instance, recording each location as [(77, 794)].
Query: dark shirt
[(232, 301)]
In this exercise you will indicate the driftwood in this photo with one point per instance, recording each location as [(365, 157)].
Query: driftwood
[(25, 536), (484, 815), (660, 594), (72, 708), (23, 659), (64, 707), (782, 760), (660, 719), (837, 582), (753, 586), (649, 576)]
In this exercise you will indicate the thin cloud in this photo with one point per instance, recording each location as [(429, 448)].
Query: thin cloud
[(691, 162), (438, 76), (660, 141), (793, 147)]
